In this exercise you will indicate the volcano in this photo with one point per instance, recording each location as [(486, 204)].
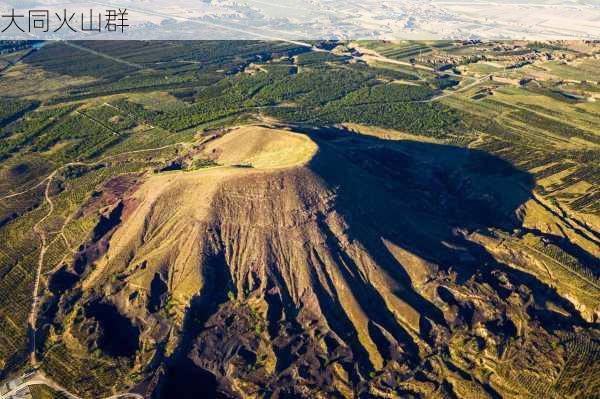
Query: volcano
[(323, 263)]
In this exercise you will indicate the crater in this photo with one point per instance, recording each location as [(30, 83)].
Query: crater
[(262, 148)]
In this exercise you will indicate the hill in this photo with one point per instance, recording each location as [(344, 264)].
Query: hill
[(352, 264)]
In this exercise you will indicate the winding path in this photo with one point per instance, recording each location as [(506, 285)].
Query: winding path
[(104, 55), (40, 231), (36, 287), (51, 175), (40, 379)]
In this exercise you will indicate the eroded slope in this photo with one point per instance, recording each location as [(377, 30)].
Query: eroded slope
[(328, 265)]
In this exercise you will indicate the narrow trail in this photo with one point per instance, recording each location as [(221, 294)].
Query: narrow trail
[(83, 114), (32, 320), (105, 159), (133, 117), (104, 55), (369, 55), (38, 378), (39, 230), (459, 90), (25, 191)]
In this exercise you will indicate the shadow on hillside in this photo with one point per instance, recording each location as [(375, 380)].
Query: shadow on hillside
[(182, 378), (425, 198), (422, 197)]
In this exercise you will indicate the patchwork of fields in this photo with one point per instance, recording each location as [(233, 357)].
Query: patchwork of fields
[(83, 125)]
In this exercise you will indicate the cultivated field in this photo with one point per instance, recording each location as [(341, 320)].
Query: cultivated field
[(371, 218)]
